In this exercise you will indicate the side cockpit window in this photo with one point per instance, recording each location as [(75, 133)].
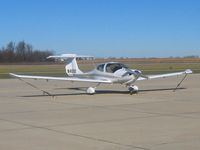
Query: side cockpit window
[(111, 68), (101, 67)]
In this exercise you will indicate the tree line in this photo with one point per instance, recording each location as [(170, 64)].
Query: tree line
[(22, 52)]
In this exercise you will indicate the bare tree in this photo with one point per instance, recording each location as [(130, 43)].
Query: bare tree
[(22, 52)]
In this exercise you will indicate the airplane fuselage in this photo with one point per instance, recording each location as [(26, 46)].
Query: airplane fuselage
[(118, 73)]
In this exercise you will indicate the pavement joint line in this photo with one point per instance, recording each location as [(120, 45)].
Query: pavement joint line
[(16, 129), (182, 107), (173, 142), (122, 119), (147, 112), (16, 112), (16, 122), (107, 141), (182, 115), (81, 123), (57, 102), (102, 106), (107, 108), (133, 104), (72, 134), (96, 139), (101, 121)]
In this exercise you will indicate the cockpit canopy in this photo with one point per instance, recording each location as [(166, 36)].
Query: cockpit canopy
[(110, 67)]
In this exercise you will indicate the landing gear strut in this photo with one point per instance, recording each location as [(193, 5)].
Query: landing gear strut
[(133, 89), (92, 90)]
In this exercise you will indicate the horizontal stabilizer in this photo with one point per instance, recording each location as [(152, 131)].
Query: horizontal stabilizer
[(66, 56)]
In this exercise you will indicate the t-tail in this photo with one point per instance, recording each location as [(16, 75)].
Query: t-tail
[(71, 66)]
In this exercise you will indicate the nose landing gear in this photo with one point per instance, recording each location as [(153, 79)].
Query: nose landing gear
[(133, 89)]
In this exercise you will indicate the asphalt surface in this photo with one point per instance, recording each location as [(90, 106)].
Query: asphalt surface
[(154, 119)]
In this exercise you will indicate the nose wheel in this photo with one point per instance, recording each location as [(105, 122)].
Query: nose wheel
[(133, 89)]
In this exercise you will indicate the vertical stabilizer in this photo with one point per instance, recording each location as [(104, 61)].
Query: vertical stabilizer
[(71, 66)]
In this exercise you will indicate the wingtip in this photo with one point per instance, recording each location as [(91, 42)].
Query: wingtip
[(12, 75), (188, 71)]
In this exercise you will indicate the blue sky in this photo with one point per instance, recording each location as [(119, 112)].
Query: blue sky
[(103, 28)]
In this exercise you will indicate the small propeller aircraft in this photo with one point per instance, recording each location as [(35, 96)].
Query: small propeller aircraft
[(105, 73)]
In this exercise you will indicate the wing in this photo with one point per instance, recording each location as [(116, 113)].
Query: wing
[(73, 79), (188, 71)]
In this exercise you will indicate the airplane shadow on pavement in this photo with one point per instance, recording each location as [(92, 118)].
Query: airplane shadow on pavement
[(82, 89)]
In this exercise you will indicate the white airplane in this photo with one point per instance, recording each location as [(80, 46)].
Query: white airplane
[(105, 73)]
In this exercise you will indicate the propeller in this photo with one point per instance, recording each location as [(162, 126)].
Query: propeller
[(136, 73)]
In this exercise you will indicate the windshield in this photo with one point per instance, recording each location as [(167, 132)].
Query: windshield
[(111, 68)]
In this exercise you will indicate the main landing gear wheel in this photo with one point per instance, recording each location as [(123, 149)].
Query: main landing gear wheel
[(133, 89), (90, 91)]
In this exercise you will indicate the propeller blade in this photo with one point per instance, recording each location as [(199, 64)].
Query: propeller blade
[(144, 76), (136, 73)]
